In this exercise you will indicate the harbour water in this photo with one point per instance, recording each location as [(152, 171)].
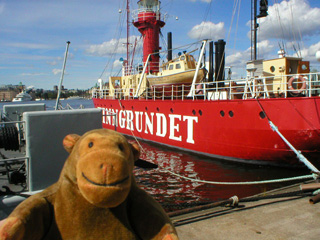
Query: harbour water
[(174, 192)]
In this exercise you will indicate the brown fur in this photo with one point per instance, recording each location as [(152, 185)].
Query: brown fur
[(96, 197)]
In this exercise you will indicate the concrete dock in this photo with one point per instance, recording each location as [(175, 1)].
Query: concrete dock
[(279, 219)]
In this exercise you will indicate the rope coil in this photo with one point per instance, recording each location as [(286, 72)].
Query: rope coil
[(9, 138)]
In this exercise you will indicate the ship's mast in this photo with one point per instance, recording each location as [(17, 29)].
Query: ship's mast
[(254, 29), (128, 35), (255, 25)]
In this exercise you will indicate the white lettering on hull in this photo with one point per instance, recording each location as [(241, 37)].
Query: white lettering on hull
[(165, 126)]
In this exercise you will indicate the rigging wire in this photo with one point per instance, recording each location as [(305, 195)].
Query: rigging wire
[(206, 14), (235, 7), (299, 53), (276, 5), (117, 37), (293, 32), (237, 25)]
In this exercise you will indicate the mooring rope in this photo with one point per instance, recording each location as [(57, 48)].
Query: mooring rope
[(300, 156), (305, 177)]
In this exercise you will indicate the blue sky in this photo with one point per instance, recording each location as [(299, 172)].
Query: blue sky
[(33, 35)]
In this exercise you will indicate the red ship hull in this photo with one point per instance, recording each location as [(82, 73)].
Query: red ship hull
[(229, 129)]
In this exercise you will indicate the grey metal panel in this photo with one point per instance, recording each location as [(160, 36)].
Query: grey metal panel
[(14, 112), (44, 135)]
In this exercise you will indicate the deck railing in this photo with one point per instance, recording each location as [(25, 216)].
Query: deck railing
[(296, 85)]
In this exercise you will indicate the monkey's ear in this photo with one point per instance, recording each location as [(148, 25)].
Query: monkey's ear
[(136, 151), (69, 141)]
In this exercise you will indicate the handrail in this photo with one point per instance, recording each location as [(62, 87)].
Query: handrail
[(248, 88), (14, 159)]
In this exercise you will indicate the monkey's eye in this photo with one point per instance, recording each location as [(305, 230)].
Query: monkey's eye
[(90, 145), (121, 147)]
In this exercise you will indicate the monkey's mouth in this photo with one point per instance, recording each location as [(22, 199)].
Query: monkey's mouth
[(105, 184)]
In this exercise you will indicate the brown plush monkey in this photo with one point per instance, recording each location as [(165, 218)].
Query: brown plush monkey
[(96, 197)]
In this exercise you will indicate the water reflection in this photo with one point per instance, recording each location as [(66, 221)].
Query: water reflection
[(175, 193)]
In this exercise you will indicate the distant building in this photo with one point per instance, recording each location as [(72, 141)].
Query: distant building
[(8, 93)]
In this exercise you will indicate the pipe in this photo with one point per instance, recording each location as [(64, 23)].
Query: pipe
[(219, 61), (169, 46), (210, 74), (315, 199), (310, 186)]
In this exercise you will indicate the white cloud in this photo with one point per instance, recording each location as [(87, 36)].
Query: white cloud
[(56, 71), (32, 74), (117, 64), (113, 46), (309, 53), (290, 20), (208, 30), (265, 48), (239, 59), (29, 45)]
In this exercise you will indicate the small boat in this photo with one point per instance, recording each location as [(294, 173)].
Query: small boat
[(22, 97), (178, 71)]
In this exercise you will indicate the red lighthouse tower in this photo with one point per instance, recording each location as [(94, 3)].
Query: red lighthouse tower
[(148, 21)]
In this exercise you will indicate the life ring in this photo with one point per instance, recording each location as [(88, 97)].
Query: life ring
[(299, 90), (199, 89)]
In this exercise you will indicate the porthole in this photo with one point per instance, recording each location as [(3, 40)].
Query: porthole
[(304, 67), (200, 112), (194, 112), (146, 108), (158, 109), (222, 113), (231, 114), (272, 68), (171, 110), (262, 115)]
